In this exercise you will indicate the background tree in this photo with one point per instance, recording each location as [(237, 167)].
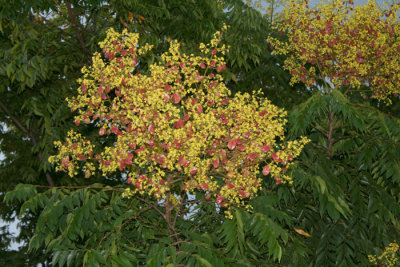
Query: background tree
[(352, 164)]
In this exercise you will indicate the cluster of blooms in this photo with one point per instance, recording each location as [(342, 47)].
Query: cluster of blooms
[(345, 44), (177, 128), (387, 258)]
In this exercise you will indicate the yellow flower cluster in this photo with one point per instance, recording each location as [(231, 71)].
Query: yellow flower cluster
[(75, 150), (343, 44), (177, 128), (387, 258)]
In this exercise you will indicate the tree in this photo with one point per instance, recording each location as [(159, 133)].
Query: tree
[(175, 133), (351, 164)]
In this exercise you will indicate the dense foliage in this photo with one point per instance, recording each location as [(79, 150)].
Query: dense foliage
[(342, 206)]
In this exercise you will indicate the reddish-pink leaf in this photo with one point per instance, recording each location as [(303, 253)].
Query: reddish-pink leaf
[(265, 148), (232, 144), (179, 124), (199, 109), (152, 128), (102, 131), (193, 171), (266, 170), (204, 186), (216, 163), (252, 156)]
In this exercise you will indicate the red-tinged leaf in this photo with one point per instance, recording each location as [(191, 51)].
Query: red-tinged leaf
[(65, 161), (84, 88), (216, 163), (204, 186), (359, 60), (143, 177), (278, 181), (152, 129), (224, 119), (161, 159), (199, 109), (225, 101), (81, 157), (247, 135), (77, 122), (230, 186), (167, 97), (232, 144), (266, 170), (167, 87), (219, 200), (241, 148), (181, 160), (223, 152), (115, 129), (208, 197), (186, 117), (243, 194), (252, 156), (179, 124), (129, 181), (151, 142), (274, 156), (176, 98), (265, 148), (193, 171)]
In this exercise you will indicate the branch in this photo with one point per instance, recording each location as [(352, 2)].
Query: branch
[(119, 227), (330, 133), (14, 119), (74, 23), (82, 187), (377, 110), (31, 136), (319, 130), (148, 203)]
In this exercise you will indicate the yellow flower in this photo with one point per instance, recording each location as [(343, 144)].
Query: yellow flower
[(177, 128)]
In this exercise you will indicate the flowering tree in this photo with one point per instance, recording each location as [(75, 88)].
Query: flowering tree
[(339, 48), (346, 45), (177, 129)]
